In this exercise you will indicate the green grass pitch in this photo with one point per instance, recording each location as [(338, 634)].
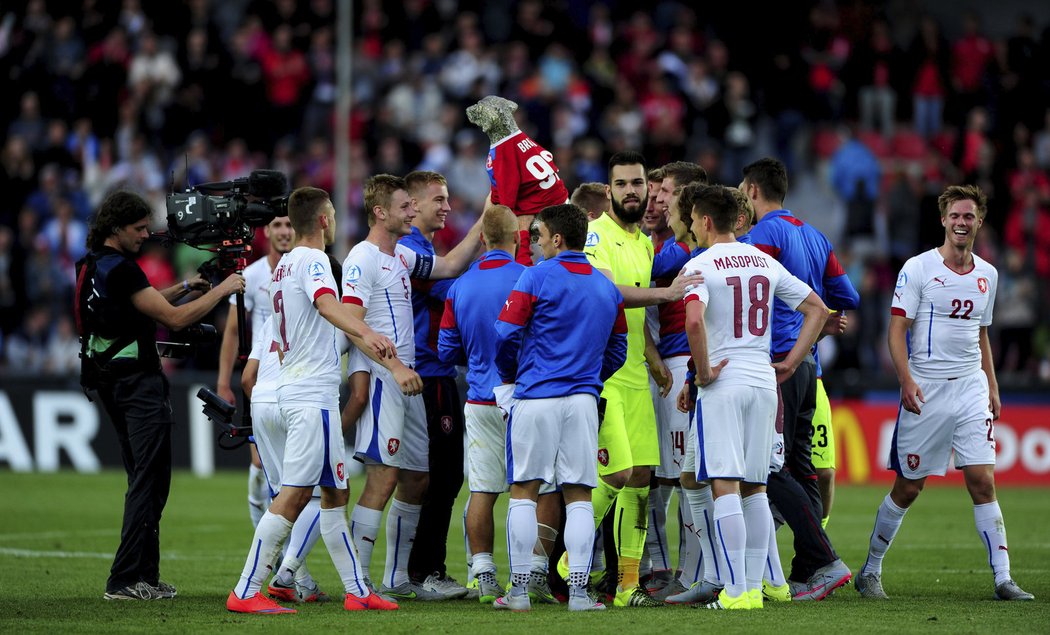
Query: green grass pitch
[(58, 533)]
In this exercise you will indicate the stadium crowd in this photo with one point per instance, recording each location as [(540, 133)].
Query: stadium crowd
[(874, 108)]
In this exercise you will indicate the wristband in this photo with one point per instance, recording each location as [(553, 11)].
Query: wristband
[(185, 286)]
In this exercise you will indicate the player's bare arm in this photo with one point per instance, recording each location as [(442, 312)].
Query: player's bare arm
[(459, 257), (249, 376), (152, 303), (227, 354), (987, 365), (815, 315), (911, 395), (406, 378), (637, 297), (363, 336), (696, 332), (657, 367)]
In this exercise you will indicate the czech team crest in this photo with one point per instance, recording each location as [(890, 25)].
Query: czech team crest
[(913, 462), (393, 445), (340, 472), (603, 457), (446, 424), (982, 285)]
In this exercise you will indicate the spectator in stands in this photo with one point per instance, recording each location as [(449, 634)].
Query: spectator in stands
[(929, 59)]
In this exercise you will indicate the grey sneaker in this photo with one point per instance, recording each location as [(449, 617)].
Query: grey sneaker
[(445, 586), (311, 593), (823, 581), (1010, 591), (138, 591), (540, 589), (674, 587), (869, 585), (410, 591), (488, 587), (373, 589), (166, 590), (518, 603), (656, 581), (581, 600), (700, 593)]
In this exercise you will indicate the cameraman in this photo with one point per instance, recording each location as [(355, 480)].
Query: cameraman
[(117, 311)]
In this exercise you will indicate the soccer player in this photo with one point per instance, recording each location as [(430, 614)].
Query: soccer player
[(292, 581), (392, 438), (728, 324), (938, 339), (561, 333), (592, 198), (257, 306), (426, 563), (307, 313), (467, 337), (816, 569), (628, 446)]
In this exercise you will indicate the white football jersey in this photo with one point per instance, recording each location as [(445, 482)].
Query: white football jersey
[(381, 284), (948, 308), (257, 303), (310, 371), (739, 284), (264, 349)]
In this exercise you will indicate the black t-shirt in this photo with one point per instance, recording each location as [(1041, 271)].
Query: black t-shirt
[(117, 278)]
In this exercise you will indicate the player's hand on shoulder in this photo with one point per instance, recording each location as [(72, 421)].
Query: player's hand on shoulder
[(408, 380), (682, 283), (911, 396), (707, 378)]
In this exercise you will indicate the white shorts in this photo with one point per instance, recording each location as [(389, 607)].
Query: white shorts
[(689, 460), (553, 440), (954, 417), (393, 428), (672, 425), (357, 361), (734, 433), (270, 436), (486, 448), (313, 449)]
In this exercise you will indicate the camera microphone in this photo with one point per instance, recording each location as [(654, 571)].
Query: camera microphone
[(267, 183)]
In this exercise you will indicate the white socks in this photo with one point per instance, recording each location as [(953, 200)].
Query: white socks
[(305, 532), (701, 505), (757, 520), (655, 555), (258, 494), (401, 523), (689, 560), (579, 534), (364, 527), (887, 522), (270, 534), (521, 537), (992, 530), (774, 572), (732, 537), (340, 545)]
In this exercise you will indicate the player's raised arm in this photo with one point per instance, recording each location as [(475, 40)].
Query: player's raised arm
[(459, 257)]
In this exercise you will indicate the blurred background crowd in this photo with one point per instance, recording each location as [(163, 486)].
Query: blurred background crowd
[(874, 107)]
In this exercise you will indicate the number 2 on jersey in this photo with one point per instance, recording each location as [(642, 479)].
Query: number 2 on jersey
[(758, 310), (278, 310)]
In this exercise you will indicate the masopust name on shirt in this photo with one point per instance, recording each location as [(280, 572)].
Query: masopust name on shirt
[(738, 289)]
